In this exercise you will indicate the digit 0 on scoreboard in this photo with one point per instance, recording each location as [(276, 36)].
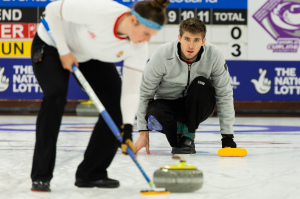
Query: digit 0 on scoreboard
[(236, 32)]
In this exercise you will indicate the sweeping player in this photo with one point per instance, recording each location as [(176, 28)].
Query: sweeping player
[(93, 35), (179, 89)]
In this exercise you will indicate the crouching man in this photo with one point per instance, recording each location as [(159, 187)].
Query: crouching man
[(182, 83)]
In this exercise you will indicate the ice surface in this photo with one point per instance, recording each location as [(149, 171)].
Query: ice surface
[(271, 169)]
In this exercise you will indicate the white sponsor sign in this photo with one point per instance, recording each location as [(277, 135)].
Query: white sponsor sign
[(274, 30), (24, 80)]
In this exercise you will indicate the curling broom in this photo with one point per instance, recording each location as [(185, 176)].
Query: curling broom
[(115, 130)]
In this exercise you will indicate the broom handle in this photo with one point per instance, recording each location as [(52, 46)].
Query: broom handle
[(106, 117), (101, 109)]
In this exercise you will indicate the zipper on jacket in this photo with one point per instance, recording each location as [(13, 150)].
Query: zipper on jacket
[(188, 82)]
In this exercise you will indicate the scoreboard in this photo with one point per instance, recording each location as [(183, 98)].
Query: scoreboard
[(260, 41)]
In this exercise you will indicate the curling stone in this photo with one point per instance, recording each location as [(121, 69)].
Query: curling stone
[(178, 178), (87, 108)]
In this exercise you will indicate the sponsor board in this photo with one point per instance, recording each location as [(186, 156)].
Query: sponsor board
[(233, 11), (130, 3), (17, 81), (236, 4), (20, 82), (15, 48), (265, 80), (277, 25), (24, 3), (251, 80), (17, 31), (18, 15)]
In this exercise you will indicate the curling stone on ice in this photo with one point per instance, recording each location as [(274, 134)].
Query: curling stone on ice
[(178, 178), (87, 108)]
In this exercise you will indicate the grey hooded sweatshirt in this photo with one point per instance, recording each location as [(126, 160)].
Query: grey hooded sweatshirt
[(166, 76)]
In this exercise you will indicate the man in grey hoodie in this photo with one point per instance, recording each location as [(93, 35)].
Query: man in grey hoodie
[(180, 85)]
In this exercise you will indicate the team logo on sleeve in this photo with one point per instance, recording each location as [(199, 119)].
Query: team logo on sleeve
[(119, 54), (225, 66), (92, 34)]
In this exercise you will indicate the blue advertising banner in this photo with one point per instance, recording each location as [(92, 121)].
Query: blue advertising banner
[(18, 81), (265, 80), (24, 3), (251, 81), (216, 4)]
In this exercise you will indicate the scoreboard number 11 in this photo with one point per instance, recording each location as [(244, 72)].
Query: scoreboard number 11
[(203, 16)]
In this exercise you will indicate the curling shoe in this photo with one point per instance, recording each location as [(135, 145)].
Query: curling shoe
[(179, 136), (185, 146), (103, 183), (40, 186), (153, 124)]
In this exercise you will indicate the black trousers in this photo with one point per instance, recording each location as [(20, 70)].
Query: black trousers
[(53, 79), (194, 108)]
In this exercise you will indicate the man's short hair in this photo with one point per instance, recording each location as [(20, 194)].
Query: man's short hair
[(193, 26)]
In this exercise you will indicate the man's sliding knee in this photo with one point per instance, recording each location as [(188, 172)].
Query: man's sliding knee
[(153, 124), (201, 85)]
